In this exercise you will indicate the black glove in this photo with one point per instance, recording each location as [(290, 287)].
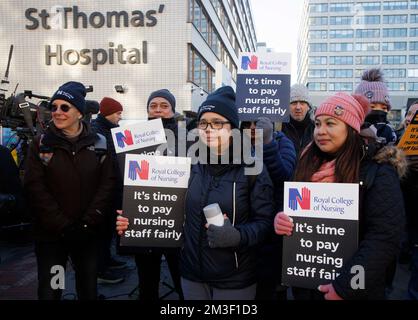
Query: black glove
[(223, 237)]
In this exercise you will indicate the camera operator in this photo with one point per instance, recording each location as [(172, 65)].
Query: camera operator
[(11, 199), (69, 180)]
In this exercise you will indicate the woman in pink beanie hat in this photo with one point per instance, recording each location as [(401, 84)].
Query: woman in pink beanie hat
[(338, 154)]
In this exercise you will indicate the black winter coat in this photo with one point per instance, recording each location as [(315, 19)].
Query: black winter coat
[(410, 191), (249, 208), (73, 187), (11, 191), (103, 126), (381, 224), (300, 132)]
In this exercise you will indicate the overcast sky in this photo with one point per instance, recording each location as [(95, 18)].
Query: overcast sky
[(277, 24)]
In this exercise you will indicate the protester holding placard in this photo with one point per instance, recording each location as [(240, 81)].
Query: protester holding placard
[(338, 154), (69, 181), (301, 126), (279, 158), (160, 104), (219, 262)]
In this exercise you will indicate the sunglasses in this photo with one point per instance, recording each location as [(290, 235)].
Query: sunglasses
[(63, 107)]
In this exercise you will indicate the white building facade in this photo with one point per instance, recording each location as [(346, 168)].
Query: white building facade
[(187, 46), (340, 39)]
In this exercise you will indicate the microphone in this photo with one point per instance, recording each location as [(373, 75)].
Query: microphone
[(213, 214)]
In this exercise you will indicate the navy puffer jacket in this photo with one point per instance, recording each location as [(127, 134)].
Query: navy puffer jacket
[(250, 209), (279, 156)]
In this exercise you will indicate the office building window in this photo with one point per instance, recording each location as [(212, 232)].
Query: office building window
[(317, 86), (370, 6), (393, 59), (367, 20), (394, 32), (318, 34), (413, 18), (368, 60), (205, 27), (394, 46), (413, 59), (340, 73), (340, 86), (413, 32), (340, 60), (200, 72), (318, 21), (341, 34), (341, 20), (413, 4), (413, 46), (317, 60), (340, 47), (395, 19), (394, 73), (395, 5), (413, 73), (319, 73), (368, 46), (358, 73), (368, 33), (396, 86), (413, 86), (341, 7), (318, 7), (318, 47)]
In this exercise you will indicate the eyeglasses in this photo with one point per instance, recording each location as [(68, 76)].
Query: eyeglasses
[(216, 124), (161, 106), (63, 107)]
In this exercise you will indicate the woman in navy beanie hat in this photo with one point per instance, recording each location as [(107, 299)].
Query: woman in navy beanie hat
[(221, 101), (219, 262), (69, 180), (72, 92)]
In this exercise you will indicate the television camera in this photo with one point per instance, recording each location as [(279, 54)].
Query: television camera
[(26, 118)]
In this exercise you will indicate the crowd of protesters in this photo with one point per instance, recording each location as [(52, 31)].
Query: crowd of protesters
[(73, 188)]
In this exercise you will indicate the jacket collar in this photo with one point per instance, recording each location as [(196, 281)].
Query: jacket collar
[(56, 138), (106, 123)]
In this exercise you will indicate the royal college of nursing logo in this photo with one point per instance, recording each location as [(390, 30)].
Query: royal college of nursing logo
[(138, 171), (296, 199), (124, 138), (249, 62)]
